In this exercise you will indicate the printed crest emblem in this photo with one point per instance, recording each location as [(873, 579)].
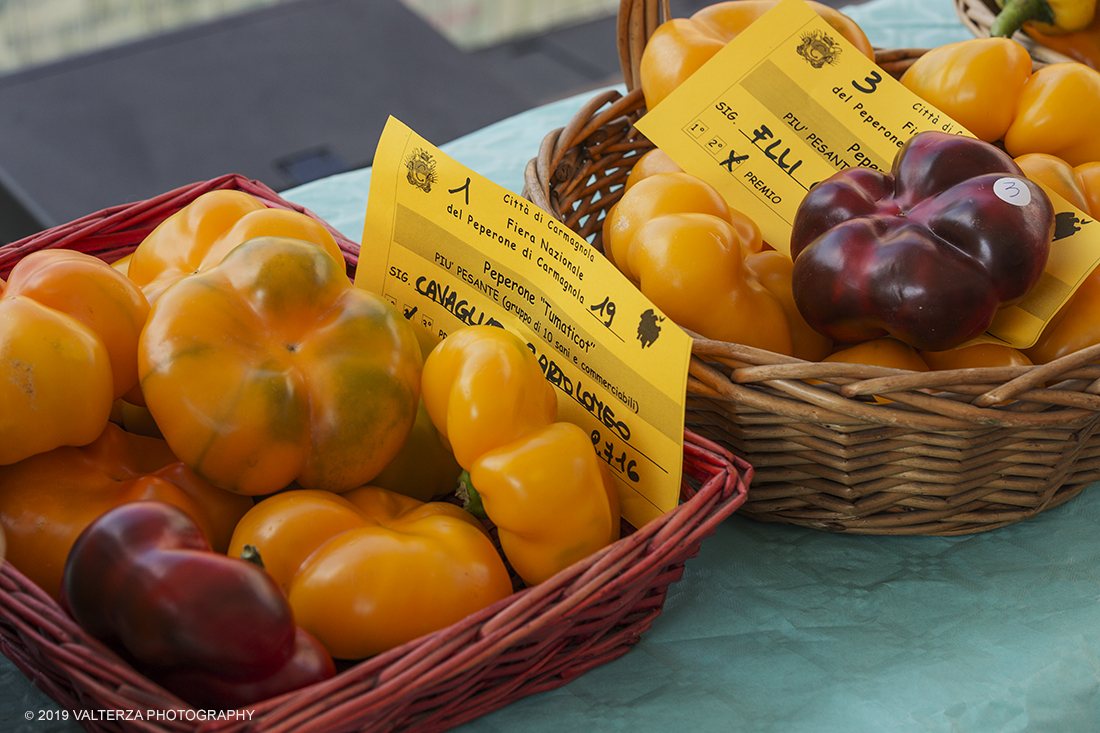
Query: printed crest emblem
[(818, 48), (421, 169)]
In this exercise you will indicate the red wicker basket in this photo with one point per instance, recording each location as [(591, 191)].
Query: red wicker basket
[(537, 639)]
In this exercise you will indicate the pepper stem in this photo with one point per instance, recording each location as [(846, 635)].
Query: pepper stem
[(1015, 12), (471, 500), (251, 553)]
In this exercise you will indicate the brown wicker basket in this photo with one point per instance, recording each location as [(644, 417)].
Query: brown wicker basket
[(955, 452), (537, 639), (977, 16)]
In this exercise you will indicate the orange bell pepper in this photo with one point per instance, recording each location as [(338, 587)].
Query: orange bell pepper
[(199, 235), (271, 367), (539, 481), (69, 327), (46, 500), (370, 569), (680, 46)]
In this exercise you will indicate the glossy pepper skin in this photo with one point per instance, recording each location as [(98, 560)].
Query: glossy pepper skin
[(976, 82), (1052, 17), (201, 234), (539, 480), (271, 367), (927, 253), (986, 84), (370, 569), (483, 388), (143, 579), (693, 267), (1057, 112), (680, 46), (552, 472), (69, 328), (47, 500)]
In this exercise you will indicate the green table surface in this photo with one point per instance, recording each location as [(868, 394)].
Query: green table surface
[(780, 629)]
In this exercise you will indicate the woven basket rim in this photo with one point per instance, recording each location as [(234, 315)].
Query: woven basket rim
[(513, 648), (847, 448)]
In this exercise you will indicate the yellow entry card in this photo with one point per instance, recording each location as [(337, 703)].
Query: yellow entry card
[(451, 248), (788, 103)]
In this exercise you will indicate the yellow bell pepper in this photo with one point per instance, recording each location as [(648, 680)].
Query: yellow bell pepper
[(1081, 45), (1057, 175), (1057, 113), (652, 162), (552, 500), (46, 500), (975, 356), (1052, 17), (199, 235), (692, 266), (1076, 325), (986, 85), (540, 481), (69, 327), (680, 46), (976, 82), (370, 569), (483, 388), (672, 192), (773, 270), (271, 367)]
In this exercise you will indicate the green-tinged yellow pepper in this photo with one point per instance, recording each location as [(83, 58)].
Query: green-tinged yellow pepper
[(1052, 17), (370, 569), (976, 82), (540, 481), (271, 367), (48, 499), (199, 235), (680, 46), (69, 328)]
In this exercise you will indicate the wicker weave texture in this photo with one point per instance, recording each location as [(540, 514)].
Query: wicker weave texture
[(537, 639), (942, 452)]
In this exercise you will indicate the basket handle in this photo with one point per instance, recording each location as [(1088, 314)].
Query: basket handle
[(637, 21)]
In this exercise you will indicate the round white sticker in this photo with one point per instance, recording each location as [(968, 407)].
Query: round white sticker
[(1012, 191)]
